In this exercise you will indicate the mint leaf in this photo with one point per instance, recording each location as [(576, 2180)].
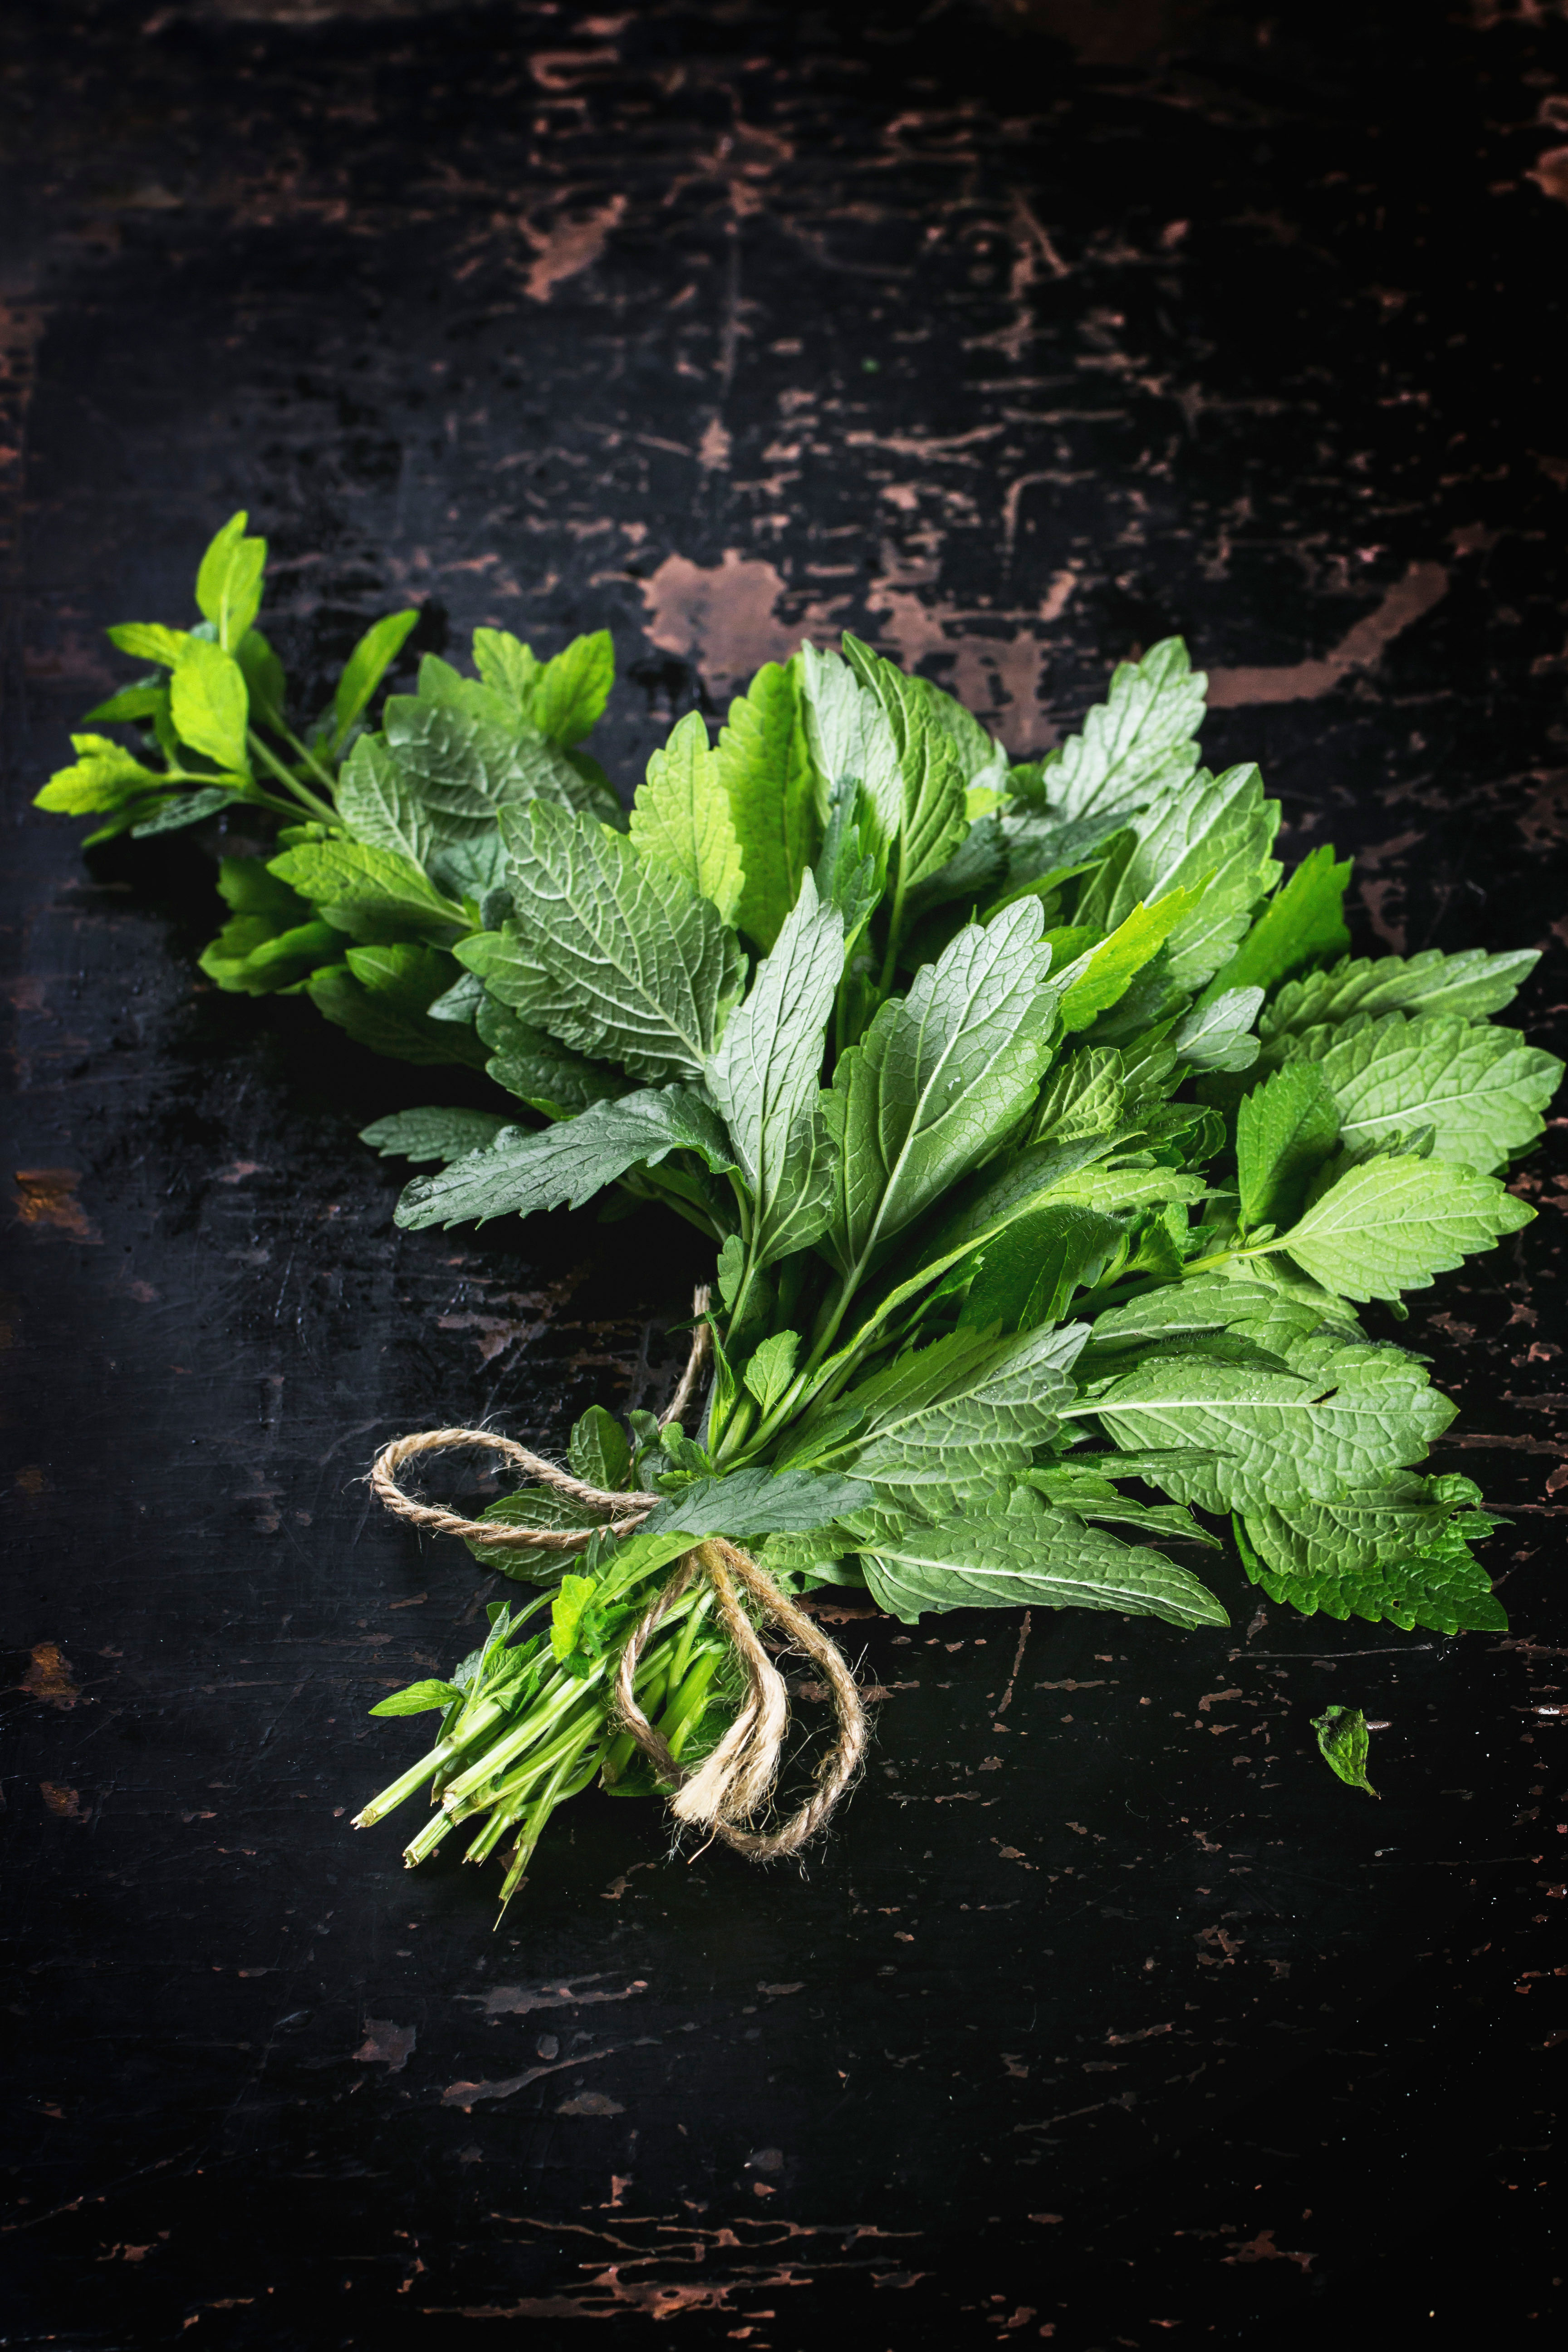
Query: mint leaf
[(366, 666), (525, 1170), (433, 1133), (941, 1076), (1392, 1223), (271, 940), (463, 767), (599, 1451), (150, 641), (570, 692), (1212, 838), (1349, 1415), (772, 1368), (1300, 924), (265, 682), (765, 768), (1343, 1740), (1082, 1094), (1472, 985), (1285, 1129), (343, 876), (611, 952), (209, 703), (379, 800), (1218, 1035), (754, 1503), (1027, 1274), (1398, 1552), (382, 996), (1482, 1090), (1138, 745), (764, 1080), (851, 742), (681, 817), (1022, 1554), (229, 584), (104, 776), (529, 1063), (420, 1698), (952, 1417), (934, 820), (1102, 977)]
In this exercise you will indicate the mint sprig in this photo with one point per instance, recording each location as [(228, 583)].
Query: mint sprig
[(1048, 1137)]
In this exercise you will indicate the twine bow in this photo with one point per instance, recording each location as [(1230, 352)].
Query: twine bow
[(732, 1785)]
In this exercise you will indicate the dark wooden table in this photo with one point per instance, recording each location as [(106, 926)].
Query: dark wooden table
[(1015, 337)]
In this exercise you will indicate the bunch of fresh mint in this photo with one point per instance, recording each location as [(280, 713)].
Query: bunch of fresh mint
[(1029, 1108)]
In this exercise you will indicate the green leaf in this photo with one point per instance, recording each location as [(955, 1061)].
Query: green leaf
[(382, 996), (229, 584), (1302, 923), (1028, 1272), (508, 667), (1082, 1094), (150, 641), (366, 666), (1102, 977), (264, 680), (104, 776), (1482, 1090), (1392, 1223), (941, 1076), (950, 1418), (351, 874), (934, 820), (571, 1614), (271, 942), (1285, 1129), (851, 742), (462, 768), (433, 1133), (1218, 1035), (764, 1079), (599, 1452), (1398, 1553), (755, 1503), (1343, 1417), (613, 954), (569, 693), (186, 808), (525, 1170), (1138, 745), (210, 704), (1020, 1555), (681, 817), (765, 768), (549, 1076), (379, 800), (1077, 1488), (1342, 1739), (419, 1698), (132, 702), (1213, 839), (1472, 985), (772, 1368)]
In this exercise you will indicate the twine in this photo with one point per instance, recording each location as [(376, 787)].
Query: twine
[(730, 1787), (732, 1784)]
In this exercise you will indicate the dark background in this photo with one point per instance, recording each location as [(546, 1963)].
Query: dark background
[(1014, 336)]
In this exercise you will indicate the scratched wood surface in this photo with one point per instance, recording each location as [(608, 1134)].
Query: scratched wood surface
[(1013, 336)]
